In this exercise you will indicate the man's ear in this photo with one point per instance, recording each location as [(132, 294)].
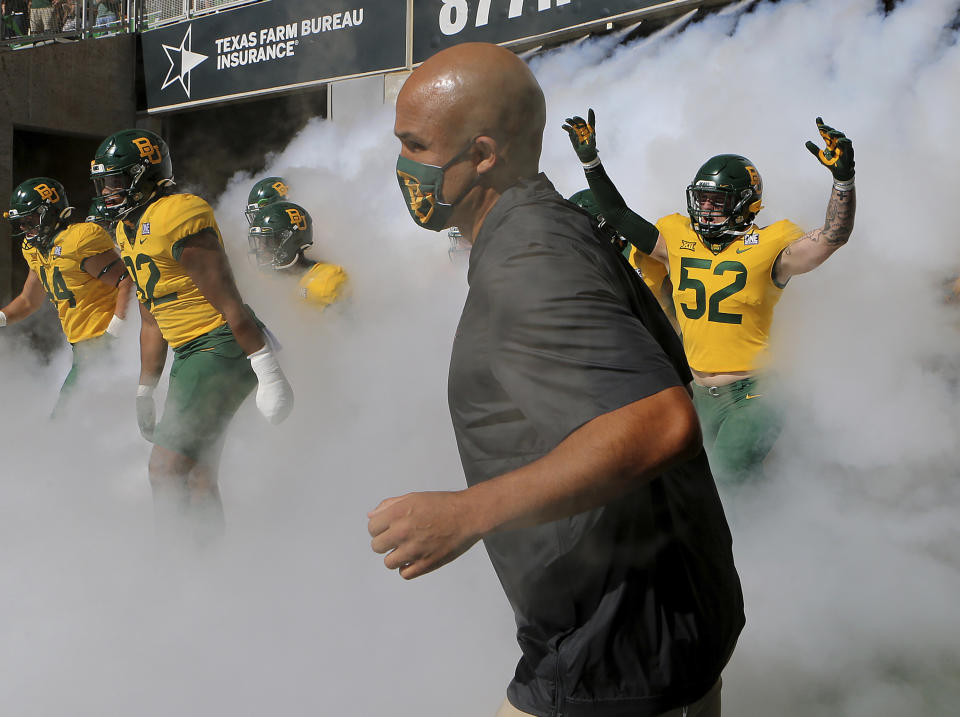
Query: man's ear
[(486, 153)]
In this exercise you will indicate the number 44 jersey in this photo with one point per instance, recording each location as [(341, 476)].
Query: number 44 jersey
[(725, 301), (84, 303), (151, 252)]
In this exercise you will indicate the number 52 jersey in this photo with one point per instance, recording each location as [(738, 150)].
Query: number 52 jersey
[(725, 301), (151, 253)]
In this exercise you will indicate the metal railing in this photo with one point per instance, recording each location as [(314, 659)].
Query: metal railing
[(65, 20)]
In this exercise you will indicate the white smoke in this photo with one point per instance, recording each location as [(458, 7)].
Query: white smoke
[(849, 556)]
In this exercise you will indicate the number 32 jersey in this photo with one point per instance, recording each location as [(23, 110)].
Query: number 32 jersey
[(84, 304), (725, 301), (151, 254)]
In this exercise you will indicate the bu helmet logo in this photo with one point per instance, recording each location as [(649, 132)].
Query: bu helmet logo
[(148, 150), (421, 204), (48, 193), (280, 188), (296, 218)]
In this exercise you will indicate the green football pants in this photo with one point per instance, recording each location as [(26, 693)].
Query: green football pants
[(206, 389), (85, 354), (740, 423)]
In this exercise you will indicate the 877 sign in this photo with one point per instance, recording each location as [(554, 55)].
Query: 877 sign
[(454, 14), (438, 24)]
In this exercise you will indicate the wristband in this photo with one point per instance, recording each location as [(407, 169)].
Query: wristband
[(144, 391), (844, 186), (595, 162), (115, 326), (3, 319), (107, 268), (263, 351)]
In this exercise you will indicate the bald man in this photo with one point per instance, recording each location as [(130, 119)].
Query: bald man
[(581, 448)]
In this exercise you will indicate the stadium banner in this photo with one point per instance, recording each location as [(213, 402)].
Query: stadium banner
[(269, 47), (438, 24)]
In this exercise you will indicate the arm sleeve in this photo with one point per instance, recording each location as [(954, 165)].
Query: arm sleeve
[(564, 343), (634, 228)]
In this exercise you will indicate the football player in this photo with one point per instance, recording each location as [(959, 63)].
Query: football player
[(264, 193), (279, 236), (172, 248), (76, 266), (728, 274)]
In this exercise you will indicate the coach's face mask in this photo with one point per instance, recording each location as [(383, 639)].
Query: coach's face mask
[(421, 185)]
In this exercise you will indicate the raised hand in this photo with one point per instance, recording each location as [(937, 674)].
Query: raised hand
[(583, 136), (837, 156)]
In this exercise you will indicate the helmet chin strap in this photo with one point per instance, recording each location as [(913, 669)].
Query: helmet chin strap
[(161, 184), (278, 267)]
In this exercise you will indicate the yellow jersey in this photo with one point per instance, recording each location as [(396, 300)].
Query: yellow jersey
[(654, 275), (151, 253), (322, 284), (724, 302), (84, 303)]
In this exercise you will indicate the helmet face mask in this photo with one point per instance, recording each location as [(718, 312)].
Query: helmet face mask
[(26, 227), (279, 234), (129, 170), (264, 193), (38, 210), (113, 189), (723, 199)]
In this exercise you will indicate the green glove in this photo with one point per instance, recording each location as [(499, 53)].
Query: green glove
[(837, 156), (583, 137)]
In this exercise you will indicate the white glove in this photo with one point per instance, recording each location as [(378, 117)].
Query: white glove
[(115, 327), (274, 394), (3, 319), (146, 411)]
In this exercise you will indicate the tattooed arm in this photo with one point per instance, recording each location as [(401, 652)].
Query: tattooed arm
[(811, 250)]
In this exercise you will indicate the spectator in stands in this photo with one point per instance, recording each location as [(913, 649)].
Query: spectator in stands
[(108, 11), (14, 17), (66, 12), (41, 17)]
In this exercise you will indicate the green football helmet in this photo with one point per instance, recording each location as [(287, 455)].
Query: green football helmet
[(586, 200), (129, 170), (264, 193), (38, 210), (279, 234), (723, 199), (97, 214)]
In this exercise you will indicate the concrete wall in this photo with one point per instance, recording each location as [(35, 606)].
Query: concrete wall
[(85, 89)]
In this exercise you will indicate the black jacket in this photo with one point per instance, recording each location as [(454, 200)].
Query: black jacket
[(633, 608)]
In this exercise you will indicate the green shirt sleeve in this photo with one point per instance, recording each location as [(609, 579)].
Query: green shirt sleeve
[(634, 228)]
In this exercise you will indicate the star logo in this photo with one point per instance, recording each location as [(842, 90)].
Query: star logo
[(188, 60)]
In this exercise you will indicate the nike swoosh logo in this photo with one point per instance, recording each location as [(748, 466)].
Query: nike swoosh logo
[(753, 395), (743, 249)]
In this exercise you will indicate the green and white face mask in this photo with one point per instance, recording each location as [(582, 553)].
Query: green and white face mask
[(421, 185)]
